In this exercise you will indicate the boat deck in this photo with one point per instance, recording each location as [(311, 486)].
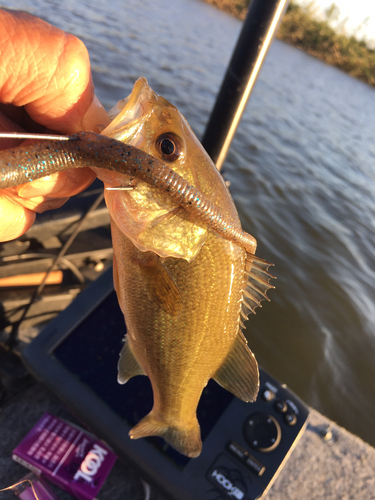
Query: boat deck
[(328, 462)]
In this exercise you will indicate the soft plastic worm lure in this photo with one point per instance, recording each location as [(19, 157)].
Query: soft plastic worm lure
[(87, 149)]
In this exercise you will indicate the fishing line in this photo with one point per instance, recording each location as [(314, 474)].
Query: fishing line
[(31, 135)]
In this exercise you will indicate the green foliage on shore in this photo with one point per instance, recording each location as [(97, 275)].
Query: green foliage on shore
[(303, 27)]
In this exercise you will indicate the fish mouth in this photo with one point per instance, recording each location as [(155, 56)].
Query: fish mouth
[(128, 113)]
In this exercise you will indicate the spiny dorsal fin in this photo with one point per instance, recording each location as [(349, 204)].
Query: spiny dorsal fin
[(257, 285), (128, 365), (239, 373)]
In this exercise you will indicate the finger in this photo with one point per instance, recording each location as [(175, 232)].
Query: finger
[(39, 204), (62, 184), (15, 219), (50, 192), (47, 71), (36, 203), (8, 125)]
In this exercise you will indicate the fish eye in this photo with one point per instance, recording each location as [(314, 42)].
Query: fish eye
[(169, 146)]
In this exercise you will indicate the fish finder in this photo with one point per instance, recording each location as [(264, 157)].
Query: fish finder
[(245, 445)]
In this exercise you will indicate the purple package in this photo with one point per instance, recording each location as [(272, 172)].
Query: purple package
[(67, 456)]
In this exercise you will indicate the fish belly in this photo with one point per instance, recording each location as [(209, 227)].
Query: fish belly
[(181, 351)]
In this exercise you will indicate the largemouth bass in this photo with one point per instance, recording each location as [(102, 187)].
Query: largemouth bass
[(184, 290)]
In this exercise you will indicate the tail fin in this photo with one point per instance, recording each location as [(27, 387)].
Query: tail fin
[(186, 441)]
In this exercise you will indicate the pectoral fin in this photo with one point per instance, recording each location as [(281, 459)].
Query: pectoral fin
[(128, 365), (160, 286), (239, 373)]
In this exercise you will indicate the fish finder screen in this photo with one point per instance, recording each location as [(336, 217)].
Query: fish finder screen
[(91, 352)]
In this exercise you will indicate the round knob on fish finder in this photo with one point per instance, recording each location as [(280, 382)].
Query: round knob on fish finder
[(262, 432)]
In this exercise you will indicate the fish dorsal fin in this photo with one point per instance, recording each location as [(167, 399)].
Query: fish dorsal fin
[(160, 286), (257, 285), (239, 373), (128, 365)]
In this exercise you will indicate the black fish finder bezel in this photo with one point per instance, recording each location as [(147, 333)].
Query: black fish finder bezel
[(244, 444)]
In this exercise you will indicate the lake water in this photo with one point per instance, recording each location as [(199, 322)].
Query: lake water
[(302, 173)]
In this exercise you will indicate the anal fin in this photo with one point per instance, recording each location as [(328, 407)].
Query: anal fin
[(128, 365), (239, 373)]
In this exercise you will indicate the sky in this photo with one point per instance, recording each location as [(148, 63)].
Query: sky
[(356, 11)]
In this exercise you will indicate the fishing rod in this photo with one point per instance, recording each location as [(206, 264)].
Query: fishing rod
[(257, 33)]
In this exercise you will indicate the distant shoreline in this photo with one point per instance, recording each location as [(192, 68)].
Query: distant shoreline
[(302, 28), (231, 6)]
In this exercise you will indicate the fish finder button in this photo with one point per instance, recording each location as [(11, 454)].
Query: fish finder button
[(244, 457), (262, 432), (268, 395), (290, 418), (281, 406)]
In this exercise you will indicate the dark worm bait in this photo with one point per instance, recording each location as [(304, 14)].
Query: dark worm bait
[(87, 149)]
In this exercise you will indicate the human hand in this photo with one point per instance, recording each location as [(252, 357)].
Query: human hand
[(45, 84)]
